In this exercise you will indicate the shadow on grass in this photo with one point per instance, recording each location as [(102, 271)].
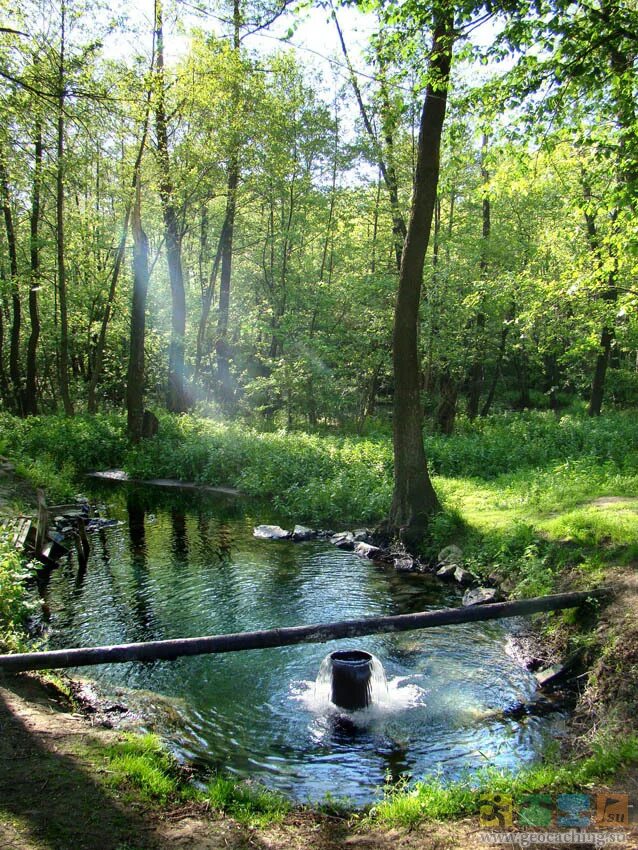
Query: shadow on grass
[(50, 795)]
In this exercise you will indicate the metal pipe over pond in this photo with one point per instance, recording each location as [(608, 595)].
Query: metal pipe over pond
[(169, 650)]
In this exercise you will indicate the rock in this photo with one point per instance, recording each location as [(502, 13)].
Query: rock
[(480, 596), (558, 674), (463, 576), (300, 533), (550, 676), (365, 550), (404, 564), (447, 572), (362, 535), (270, 532), (343, 540), (450, 555)]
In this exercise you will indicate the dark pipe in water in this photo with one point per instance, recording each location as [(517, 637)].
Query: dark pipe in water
[(351, 679)]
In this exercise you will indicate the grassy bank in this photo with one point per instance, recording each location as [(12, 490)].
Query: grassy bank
[(529, 496)]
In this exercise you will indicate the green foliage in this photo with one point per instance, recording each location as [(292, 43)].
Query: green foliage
[(505, 443), (53, 451), (432, 799), (15, 601), (246, 802), (311, 477)]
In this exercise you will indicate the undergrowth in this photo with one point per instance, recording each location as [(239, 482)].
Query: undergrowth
[(15, 601)]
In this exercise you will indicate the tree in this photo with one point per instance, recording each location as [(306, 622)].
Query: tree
[(178, 399), (414, 500)]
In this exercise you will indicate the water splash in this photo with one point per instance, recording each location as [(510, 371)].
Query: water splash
[(387, 696)]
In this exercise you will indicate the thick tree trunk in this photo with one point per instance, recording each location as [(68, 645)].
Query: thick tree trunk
[(31, 391), (15, 372), (135, 383), (414, 500), (178, 397)]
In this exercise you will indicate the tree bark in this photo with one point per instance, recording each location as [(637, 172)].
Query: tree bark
[(178, 397), (222, 347), (414, 500), (31, 391), (169, 650), (135, 384), (59, 208), (477, 367), (15, 373)]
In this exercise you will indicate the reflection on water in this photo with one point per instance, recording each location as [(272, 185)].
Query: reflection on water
[(182, 567)]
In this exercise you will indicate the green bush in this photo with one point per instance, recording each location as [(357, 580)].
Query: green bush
[(15, 601)]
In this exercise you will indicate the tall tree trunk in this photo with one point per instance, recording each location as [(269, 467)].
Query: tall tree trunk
[(178, 396), (135, 383), (597, 392), (5, 393), (222, 347), (446, 409), (414, 500), (610, 295), (15, 372), (31, 392), (477, 367), (98, 358), (207, 301), (63, 365)]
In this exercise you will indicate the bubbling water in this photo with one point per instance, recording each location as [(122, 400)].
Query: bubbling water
[(384, 695)]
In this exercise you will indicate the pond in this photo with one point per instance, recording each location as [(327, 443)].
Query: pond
[(186, 566)]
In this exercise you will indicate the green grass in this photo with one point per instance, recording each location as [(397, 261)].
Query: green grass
[(139, 765), (140, 762), (433, 799), (246, 802)]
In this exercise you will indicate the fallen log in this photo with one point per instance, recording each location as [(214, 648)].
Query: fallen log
[(169, 650)]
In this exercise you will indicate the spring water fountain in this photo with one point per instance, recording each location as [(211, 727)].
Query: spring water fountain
[(351, 680)]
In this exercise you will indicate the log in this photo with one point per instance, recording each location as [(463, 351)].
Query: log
[(169, 650)]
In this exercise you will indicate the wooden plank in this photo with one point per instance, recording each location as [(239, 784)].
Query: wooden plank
[(169, 650)]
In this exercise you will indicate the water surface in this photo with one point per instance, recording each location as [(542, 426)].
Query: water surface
[(189, 566)]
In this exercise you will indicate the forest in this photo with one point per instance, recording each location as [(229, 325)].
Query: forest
[(353, 262), (224, 232)]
